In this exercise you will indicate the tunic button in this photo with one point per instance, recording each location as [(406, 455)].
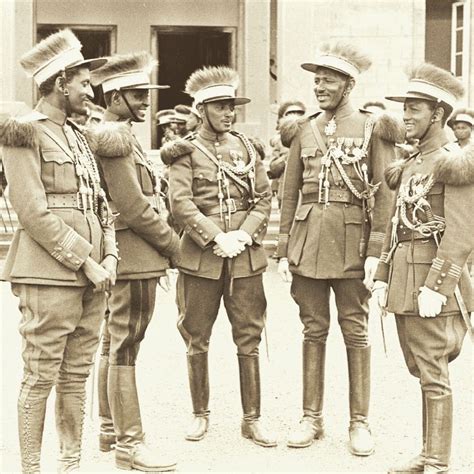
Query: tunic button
[(195, 225), (443, 274), (255, 235), (59, 247), (69, 255), (200, 231), (205, 236), (436, 288), (400, 245), (200, 176), (219, 156), (77, 262), (216, 144), (439, 282)]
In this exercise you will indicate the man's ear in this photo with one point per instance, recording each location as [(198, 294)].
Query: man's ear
[(60, 83), (350, 84), (438, 114), (116, 98)]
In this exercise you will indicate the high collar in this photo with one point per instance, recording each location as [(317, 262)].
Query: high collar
[(434, 142), (54, 114), (341, 112), (210, 136)]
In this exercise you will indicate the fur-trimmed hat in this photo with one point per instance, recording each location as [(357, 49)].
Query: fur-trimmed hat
[(126, 71), (429, 82), (56, 53), (341, 57), (462, 115), (214, 83)]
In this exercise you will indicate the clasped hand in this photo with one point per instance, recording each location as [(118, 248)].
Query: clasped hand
[(230, 244), (430, 302)]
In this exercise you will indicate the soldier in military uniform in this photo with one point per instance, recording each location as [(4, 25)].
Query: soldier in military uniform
[(462, 123), (220, 196), (146, 244), (332, 238), (63, 256), (423, 261), (190, 115), (165, 119)]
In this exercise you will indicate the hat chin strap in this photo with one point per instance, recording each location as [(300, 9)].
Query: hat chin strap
[(431, 122), (209, 120), (132, 113)]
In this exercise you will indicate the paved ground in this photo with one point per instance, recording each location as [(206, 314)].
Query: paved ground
[(166, 407)]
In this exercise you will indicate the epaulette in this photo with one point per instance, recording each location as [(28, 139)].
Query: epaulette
[(290, 126), (455, 167), (20, 132), (389, 128), (174, 149), (110, 139)]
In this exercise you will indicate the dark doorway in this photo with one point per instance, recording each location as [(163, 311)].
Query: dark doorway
[(96, 41), (182, 50)]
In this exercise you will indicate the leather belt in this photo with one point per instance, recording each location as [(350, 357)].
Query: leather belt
[(234, 207), (64, 200), (335, 195), (406, 235)]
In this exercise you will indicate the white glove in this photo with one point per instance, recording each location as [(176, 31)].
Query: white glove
[(169, 280), (228, 245), (284, 270), (430, 302), (379, 293), (370, 267)]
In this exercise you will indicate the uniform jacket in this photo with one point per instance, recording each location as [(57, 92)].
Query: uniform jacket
[(278, 163), (325, 241), (194, 205), (422, 263), (144, 238), (52, 241)]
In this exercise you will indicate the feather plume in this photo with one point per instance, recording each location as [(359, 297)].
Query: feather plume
[(289, 127), (347, 51), (49, 48), (456, 168), (19, 134), (389, 128), (121, 63), (208, 76), (439, 77), (110, 139)]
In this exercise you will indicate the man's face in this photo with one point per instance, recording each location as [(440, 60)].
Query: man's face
[(462, 130), (329, 88), (181, 129), (139, 101), (80, 91), (192, 122), (220, 115), (417, 115)]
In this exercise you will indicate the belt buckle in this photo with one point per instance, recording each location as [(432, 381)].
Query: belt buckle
[(230, 203)]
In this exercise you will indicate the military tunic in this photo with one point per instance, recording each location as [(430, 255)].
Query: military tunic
[(412, 259), (206, 278), (144, 238), (327, 244)]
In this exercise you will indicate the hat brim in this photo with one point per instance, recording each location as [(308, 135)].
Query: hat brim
[(312, 67), (145, 86), (451, 122), (235, 100), (411, 95), (91, 64)]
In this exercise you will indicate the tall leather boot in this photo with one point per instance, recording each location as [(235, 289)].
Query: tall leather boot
[(439, 433), (361, 442), (131, 452), (250, 394), (311, 426), (416, 464), (198, 374), (31, 415), (107, 438), (70, 410)]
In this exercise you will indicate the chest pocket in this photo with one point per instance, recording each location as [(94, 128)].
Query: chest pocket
[(58, 172), (202, 178), (436, 199), (311, 157)]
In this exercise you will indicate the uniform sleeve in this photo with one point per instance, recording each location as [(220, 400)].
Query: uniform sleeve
[(382, 153), (28, 198), (122, 182), (457, 241), (293, 180), (199, 227), (256, 222), (110, 243)]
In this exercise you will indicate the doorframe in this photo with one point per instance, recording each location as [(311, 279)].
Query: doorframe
[(156, 30)]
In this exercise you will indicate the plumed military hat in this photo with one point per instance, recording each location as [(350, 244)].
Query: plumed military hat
[(341, 57), (56, 53), (212, 84), (165, 117), (429, 82), (462, 115), (126, 71)]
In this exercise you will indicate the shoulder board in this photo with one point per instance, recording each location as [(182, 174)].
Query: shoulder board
[(389, 128), (455, 167), (110, 139), (21, 132), (175, 149)]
